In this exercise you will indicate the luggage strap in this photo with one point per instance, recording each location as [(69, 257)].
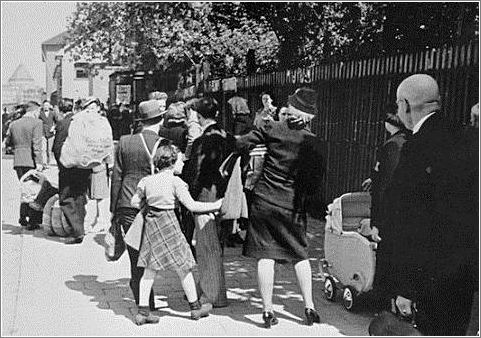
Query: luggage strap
[(151, 154)]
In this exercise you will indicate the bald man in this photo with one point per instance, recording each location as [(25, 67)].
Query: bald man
[(426, 258)]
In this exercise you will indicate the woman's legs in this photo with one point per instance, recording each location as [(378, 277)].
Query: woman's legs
[(144, 316), (198, 310), (146, 283), (265, 279), (188, 284), (304, 279)]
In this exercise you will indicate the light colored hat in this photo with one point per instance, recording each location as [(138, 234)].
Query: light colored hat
[(149, 110)]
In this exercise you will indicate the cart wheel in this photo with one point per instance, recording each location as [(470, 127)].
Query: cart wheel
[(330, 289), (348, 298)]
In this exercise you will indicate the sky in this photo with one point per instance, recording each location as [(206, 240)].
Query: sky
[(25, 25)]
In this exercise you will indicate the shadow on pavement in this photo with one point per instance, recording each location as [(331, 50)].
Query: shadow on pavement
[(38, 233), (245, 303), (112, 295)]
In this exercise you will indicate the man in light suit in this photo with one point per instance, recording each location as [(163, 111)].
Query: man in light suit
[(426, 259), (25, 137)]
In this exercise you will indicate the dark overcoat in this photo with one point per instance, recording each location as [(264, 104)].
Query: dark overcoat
[(426, 252), (201, 172), (388, 159)]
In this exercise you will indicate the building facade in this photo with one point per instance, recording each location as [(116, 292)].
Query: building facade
[(68, 78)]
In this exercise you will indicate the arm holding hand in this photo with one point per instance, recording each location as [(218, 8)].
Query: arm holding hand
[(183, 195)]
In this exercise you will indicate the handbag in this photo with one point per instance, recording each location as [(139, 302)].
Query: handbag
[(133, 237), (390, 324), (115, 241)]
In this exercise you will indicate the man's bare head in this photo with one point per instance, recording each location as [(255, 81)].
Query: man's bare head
[(417, 96)]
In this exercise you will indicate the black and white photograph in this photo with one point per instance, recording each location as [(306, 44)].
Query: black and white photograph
[(240, 168)]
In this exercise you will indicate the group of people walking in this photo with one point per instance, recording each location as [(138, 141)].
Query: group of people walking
[(281, 192), (424, 201)]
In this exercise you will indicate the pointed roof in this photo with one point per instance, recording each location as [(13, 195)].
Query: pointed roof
[(60, 39), (21, 74)]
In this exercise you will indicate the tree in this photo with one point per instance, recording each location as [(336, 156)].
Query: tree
[(411, 26), (175, 36), (310, 32), (167, 36)]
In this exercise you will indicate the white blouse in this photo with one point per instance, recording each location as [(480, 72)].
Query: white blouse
[(163, 189)]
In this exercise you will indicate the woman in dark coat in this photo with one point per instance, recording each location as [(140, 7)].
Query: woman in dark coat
[(293, 171), (387, 161)]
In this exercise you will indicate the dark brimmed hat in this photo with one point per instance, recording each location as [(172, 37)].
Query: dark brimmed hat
[(304, 99), (89, 100), (149, 110)]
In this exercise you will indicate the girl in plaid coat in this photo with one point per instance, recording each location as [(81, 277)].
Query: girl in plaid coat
[(163, 243)]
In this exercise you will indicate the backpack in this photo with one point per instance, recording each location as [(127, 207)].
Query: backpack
[(89, 142)]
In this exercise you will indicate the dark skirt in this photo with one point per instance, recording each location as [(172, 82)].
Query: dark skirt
[(163, 244), (275, 233)]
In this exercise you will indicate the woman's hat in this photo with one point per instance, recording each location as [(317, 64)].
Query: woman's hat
[(149, 110), (304, 99)]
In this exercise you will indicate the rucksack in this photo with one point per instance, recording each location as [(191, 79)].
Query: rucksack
[(89, 142)]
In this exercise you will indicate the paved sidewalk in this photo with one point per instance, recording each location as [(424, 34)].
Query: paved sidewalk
[(51, 289)]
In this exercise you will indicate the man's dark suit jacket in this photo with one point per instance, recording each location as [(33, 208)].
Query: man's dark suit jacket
[(427, 246), (175, 132), (48, 121), (25, 136), (132, 163), (201, 172)]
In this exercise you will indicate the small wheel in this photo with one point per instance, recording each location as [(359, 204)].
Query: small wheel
[(348, 298), (330, 289)]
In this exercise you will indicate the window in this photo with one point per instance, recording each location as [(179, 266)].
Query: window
[(81, 73)]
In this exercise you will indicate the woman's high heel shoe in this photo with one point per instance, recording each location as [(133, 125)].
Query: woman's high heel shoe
[(269, 319), (312, 316)]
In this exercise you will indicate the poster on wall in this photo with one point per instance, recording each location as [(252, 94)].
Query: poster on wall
[(229, 84), (123, 94)]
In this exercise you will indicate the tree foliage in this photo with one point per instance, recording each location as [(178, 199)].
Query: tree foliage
[(174, 36), (168, 36)]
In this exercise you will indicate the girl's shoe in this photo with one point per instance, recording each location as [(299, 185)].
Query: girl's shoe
[(269, 319), (312, 316), (198, 310), (145, 317)]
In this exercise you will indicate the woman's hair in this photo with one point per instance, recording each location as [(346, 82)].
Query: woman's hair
[(66, 105), (166, 155), (394, 120), (207, 107)]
